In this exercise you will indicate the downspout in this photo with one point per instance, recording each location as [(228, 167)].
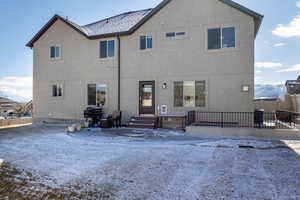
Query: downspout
[(119, 73)]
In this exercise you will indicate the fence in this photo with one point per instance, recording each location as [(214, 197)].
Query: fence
[(15, 121), (270, 120)]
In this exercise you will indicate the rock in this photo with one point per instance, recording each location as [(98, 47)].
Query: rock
[(72, 129)]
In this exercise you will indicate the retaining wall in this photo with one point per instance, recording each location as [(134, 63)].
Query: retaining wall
[(15, 121)]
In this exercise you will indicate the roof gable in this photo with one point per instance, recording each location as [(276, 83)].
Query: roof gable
[(50, 23), (128, 23)]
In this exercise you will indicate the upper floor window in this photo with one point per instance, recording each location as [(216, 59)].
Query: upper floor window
[(146, 42), (175, 34), (97, 94), (55, 52), (57, 90), (221, 38), (107, 49)]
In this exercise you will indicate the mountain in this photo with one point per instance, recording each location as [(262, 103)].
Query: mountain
[(274, 91), (13, 97)]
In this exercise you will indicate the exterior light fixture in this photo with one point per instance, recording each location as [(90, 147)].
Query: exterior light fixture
[(164, 86), (245, 88)]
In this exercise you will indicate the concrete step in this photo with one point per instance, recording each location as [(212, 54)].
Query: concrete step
[(143, 118), (132, 125), (143, 122)]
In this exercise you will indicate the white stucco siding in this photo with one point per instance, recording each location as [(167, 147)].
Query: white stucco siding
[(79, 66), (184, 59), (225, 71)]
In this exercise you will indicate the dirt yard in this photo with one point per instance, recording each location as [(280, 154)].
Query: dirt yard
[(48, 163)]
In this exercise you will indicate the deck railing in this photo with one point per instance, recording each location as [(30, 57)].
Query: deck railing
[(269, 120)]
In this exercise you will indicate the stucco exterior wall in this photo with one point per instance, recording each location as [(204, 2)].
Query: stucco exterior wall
[(186, 59), (225, 71), (79, 66)]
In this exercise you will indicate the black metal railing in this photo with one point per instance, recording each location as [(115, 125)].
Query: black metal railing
[(260, 119)]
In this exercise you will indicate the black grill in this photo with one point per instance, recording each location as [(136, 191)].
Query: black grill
[(94, 113)]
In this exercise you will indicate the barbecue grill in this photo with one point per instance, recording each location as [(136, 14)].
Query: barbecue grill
[(93, 113)]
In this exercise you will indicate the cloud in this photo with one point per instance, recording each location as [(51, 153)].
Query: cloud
[(17, 86), (290, 30), (257, 71), (294, 68), (279, 45), (16, 93), (267, 64), (298, 4), (257, 79), (16, 81)]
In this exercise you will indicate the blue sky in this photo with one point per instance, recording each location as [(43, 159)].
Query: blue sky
[(277, 43)]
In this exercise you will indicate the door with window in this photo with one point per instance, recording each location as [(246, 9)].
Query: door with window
[(147, 97)]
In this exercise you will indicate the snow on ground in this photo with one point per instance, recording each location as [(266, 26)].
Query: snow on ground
[(154, 164)]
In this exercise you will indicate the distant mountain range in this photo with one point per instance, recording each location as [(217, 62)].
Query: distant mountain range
[(261, 90), (273, 91), (13, 97)]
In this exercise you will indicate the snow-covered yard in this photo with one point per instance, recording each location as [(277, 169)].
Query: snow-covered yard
[(48, 163)]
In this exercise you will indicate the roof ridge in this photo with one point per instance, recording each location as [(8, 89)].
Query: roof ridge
[(128, 12)]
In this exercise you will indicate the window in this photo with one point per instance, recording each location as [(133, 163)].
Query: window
[(221, 38), (107, 49), (55, 52), (97, 94), (170, 34), (57, 90), (175, 34), (146, 42), (189, 94)]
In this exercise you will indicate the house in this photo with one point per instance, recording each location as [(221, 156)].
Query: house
[(7, 106), (182, 55), (292, 97), (269, 104)]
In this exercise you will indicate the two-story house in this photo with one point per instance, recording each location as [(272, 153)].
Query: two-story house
[(182, 55)]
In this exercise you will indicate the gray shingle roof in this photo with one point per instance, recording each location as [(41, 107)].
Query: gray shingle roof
[(127, 23), (120, 23)]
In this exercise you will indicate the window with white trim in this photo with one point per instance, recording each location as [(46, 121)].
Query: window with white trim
[(175, 34), (57, 90), (189, 94), (220, 38), (97, 94), (146, 42), (55, 52), (107, 49)]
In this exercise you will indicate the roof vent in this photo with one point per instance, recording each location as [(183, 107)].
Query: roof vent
[(107, 21)]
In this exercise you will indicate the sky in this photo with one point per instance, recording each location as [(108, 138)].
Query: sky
[(276, 52)]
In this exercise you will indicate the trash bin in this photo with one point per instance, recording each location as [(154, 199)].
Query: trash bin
[(259, 117)]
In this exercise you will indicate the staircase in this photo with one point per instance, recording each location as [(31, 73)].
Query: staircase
[(143, 122)]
